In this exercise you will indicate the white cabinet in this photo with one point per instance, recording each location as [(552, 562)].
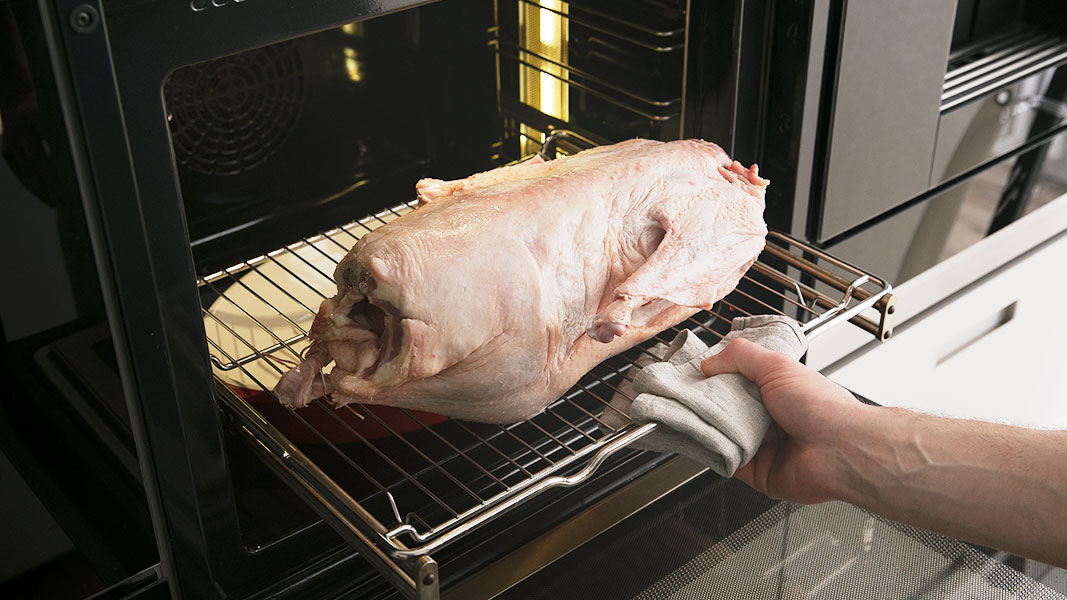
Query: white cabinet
[(995, 351)]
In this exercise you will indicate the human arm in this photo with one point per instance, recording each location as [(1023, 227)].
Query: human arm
[(987, 483)]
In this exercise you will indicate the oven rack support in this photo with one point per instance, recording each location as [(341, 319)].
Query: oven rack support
[(411, 513)]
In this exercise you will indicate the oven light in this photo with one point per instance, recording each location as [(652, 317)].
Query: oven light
[(353, 29), (353, 67), (550, 22), (528, 140), (550, 92), (543, 29)]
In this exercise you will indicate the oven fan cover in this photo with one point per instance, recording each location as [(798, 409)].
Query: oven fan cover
[(229, 115)]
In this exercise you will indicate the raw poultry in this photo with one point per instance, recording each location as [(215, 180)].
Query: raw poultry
[(504, 288)]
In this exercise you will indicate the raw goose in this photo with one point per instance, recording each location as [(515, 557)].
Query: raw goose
[(503, 289)]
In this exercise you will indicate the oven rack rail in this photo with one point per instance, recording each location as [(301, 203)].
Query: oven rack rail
[(649, 109), (661, 32)]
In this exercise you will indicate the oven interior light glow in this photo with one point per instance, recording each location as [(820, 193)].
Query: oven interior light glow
[(353, 68), (548, 27), (543, 28), (550, 95)]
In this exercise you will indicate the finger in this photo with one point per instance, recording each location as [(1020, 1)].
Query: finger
[(766, 457), (754, 472), (753, 361), (746, 473)]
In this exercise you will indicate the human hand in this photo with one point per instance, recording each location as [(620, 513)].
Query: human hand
[(800, 459)]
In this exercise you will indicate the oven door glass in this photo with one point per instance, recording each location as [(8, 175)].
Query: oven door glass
[(717, 538)]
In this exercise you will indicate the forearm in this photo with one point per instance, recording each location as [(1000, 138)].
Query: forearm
[(995, 485)]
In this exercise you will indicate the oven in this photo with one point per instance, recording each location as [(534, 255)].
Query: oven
[(218, 157)]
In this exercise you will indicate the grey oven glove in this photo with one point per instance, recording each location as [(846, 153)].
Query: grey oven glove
[(719, 421)]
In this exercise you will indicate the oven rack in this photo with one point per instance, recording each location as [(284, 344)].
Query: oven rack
[(650, 109), (995, 63), (422, 485)]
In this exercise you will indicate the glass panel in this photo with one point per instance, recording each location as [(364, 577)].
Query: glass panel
[(717, 538)]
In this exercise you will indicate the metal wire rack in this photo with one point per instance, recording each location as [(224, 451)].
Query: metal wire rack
[(403, 483), (997, 62)]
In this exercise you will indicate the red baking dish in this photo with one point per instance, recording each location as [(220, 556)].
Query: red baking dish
[(336, 425)]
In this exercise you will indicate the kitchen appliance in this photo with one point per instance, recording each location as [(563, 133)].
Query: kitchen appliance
[(962, 171), (939, 119), (220, 151)]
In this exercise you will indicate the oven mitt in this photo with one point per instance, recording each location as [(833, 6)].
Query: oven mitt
[(719, 421)]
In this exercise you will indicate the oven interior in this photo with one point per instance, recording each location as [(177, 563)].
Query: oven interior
[(409, 485)]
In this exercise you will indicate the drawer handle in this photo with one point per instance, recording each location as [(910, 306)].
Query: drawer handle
[(980, 330)]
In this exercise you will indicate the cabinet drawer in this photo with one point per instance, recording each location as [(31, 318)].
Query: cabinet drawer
[(994, 351)]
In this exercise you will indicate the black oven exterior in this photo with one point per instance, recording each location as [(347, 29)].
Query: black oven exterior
[(750, 67)]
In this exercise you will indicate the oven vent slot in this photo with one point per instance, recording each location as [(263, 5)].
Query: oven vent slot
[(229, 115), (976, 71)]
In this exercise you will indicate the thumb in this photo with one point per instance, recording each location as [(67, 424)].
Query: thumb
[(742, 356)]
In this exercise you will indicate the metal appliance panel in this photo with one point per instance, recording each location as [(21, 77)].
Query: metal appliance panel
[(979, 131), (885, 107)]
